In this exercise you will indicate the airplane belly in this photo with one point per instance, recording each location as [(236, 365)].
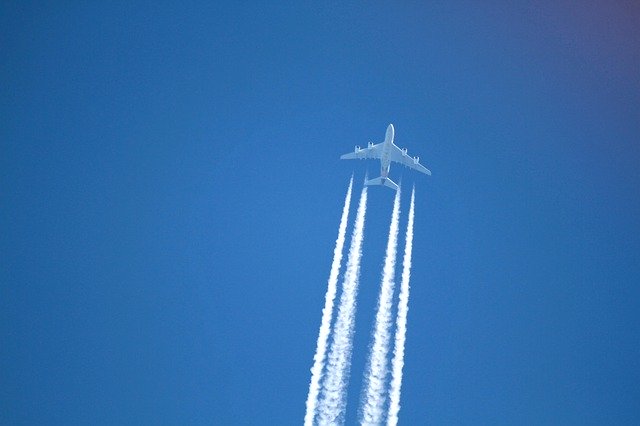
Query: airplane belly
[(384, 167)]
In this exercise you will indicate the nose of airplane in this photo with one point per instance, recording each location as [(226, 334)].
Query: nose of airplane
[(390, 131)]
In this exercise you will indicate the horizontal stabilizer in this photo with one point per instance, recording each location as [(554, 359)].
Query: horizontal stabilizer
[(382, 181)]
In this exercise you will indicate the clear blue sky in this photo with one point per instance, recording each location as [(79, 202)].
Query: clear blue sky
[(170, 192)]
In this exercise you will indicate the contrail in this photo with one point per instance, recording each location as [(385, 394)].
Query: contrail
[(327, 314), (374, 398), (333, 403), (401, 322)]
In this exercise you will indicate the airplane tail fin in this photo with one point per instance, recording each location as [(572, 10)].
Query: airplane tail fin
[(382, 181)]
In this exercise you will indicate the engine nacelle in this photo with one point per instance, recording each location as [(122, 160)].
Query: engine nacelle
[(370, 144), (416, 160), (404, 151), (358, 149)]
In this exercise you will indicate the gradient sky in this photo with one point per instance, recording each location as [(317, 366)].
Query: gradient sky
[(170, 193)]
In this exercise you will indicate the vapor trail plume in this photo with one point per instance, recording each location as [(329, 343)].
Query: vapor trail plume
[(327, 313), (333, 402), (401, 322), (374, 398)]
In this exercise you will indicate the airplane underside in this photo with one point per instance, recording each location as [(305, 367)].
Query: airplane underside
[(386, 152)]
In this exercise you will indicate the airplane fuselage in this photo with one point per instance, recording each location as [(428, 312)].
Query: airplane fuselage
[(385, 161)]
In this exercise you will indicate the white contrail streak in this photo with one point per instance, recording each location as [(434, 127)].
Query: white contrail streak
[(401, 322), (374, 398), (327, 314), (333, 402)]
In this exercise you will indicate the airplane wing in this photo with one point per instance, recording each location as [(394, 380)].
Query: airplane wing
[(372, 151), (400, 156)]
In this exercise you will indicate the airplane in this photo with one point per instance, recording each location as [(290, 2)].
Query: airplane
[(387, 152)]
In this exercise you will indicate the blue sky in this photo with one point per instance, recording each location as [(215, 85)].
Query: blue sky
[(171, 190)]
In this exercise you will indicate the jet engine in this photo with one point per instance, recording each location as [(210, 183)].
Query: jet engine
[(370, 144), (416, 160), (404, 151), (358, 149)]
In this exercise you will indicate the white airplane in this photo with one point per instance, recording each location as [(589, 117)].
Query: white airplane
[(387, 152)]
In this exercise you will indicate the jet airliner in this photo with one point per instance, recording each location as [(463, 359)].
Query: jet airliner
[(386, 152)]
